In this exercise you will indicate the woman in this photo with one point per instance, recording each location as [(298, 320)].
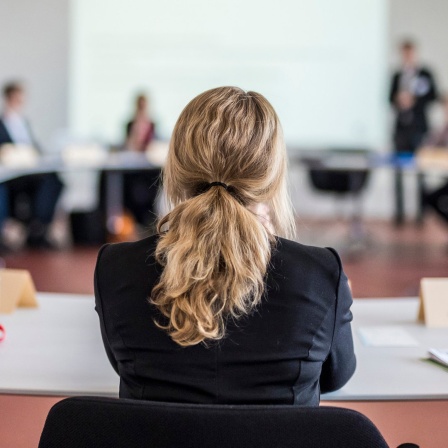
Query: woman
[(141, 187), (216, 308), (140, 130)]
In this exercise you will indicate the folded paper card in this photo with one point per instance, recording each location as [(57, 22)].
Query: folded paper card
[(433, 309), (16, 289)]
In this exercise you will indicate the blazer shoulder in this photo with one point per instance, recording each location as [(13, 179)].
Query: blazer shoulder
[(125, 256), (313, 257)]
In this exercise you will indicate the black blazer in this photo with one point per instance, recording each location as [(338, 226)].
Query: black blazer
[(296, 344), (415, 118), (4, 134)]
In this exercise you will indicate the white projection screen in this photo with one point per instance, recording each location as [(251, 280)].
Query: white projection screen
[(321, 63)]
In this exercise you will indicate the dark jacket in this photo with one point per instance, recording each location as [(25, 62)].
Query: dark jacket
[(296, 344), (4, 134), (415, 118)]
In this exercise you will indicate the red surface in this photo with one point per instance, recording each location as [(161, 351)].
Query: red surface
[(421, 422)]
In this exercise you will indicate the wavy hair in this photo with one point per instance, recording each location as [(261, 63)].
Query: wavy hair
[(214, 248)]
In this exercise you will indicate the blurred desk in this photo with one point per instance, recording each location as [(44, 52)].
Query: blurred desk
[(56, 351), (120, 161), (114, 164), (426, 161)]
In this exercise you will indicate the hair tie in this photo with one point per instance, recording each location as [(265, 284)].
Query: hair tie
[(217, 184), (205, 186)]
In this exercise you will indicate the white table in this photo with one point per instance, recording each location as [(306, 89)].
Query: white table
[(54, 163), (56, 350), (394, 373)]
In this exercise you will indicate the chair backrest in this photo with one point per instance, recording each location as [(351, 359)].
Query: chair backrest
[(85, 422), (339, 181), (339, 170)]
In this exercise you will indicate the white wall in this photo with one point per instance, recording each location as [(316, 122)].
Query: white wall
[(426, 22), (302, 56), (34, 48)]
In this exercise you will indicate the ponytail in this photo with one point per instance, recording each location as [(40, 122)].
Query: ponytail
[(215, 253)]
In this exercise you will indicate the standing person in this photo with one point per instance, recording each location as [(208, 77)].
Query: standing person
[(141, 187), (43, 189), (218, 307), (412, 89)]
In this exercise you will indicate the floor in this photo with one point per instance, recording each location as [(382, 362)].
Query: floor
[(379, 259)]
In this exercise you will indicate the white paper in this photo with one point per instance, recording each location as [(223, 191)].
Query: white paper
[(386, 337), (439, 355)]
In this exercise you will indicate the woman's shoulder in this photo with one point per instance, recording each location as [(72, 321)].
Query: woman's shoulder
[(303, 256), (127, 255)]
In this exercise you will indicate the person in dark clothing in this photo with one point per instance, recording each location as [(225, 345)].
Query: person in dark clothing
[(43, 189), (219, 306), (141, 187), (413, 89)]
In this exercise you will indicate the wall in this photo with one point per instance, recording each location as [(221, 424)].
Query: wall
[(34, 48), (424, 21)]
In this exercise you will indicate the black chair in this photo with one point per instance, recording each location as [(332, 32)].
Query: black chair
[(344, 174), (341, 172), (339, 181), (86, 422)]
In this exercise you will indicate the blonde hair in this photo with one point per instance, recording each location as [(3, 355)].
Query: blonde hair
[(215, 251)]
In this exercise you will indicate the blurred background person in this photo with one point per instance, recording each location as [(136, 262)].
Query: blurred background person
[(14, 127), (438, 199), (141, 187), (41, 191), (412, 89), (140, 129)]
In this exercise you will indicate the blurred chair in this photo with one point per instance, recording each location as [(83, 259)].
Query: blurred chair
[(104, 422), (343, 174)]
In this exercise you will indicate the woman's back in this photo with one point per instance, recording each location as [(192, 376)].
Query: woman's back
[(294, 344)]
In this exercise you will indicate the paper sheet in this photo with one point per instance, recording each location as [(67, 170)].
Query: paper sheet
[(390, 336)]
